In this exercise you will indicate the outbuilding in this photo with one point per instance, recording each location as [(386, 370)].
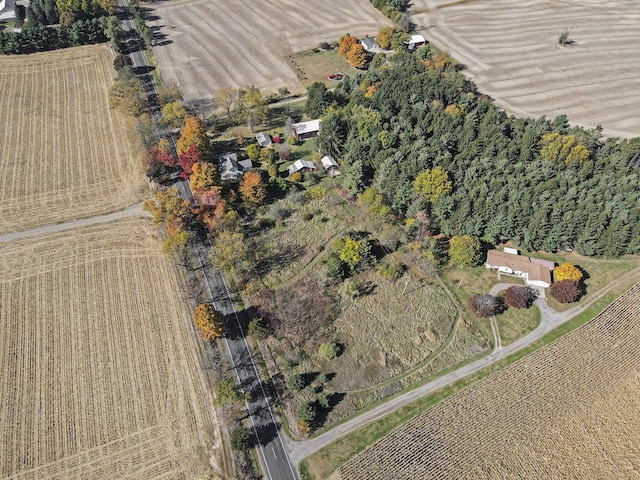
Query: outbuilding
[(305, 130), (301, 166)]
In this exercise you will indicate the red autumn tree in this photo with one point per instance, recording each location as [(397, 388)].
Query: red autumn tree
[(187, 159), (565, 291), (518, 296), (252, 188), (483, 304)]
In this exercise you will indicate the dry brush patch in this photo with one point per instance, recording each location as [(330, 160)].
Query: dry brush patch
[(511, 50), (99, 376), (221, 43), (569, 410), (64, 152)]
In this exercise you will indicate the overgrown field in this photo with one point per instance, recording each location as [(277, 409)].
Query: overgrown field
[(64, 152), (99, 375), (569, 410), (512, 53), (208, 45)]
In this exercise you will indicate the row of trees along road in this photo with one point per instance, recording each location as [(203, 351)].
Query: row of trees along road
[(416, 131)]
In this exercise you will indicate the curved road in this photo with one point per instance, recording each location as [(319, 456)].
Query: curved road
[(550, 319), (132, 211)]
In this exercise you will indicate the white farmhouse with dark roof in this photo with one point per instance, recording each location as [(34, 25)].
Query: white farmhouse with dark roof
[(305, 130), (231, 168)]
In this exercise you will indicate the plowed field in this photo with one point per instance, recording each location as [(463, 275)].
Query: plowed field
[(569, 410), (511, 50), (99, 376), (63, 152), (207, 45)]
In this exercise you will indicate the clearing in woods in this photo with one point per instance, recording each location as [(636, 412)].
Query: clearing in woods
[(99, 377), (207, 45), (568, 410), (511, 51), (63, 154)]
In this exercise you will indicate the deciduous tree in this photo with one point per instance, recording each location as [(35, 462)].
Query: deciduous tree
[(209, 321), (187, 159), (518, 296), (565, 291), (169, 210), (567, 271), (357, 56), (464, 251), (385, 34), (174, 114), (346, 43), (194, 133), (252, 188), (204, 177), (432, 184), (483, 304)]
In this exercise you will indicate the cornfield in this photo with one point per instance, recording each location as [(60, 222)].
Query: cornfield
[(99, 375), (64, 152), (569, 410)]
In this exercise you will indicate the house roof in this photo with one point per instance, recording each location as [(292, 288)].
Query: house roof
[(231, 168), (416, 39), (328, 162), (305, 127), (369, 43), (264, 139), (535, 268), (299, 165)]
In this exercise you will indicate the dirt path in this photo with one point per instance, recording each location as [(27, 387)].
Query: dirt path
[(550, 319), (132, 211)]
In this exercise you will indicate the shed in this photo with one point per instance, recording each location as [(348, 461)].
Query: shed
[(264, 139), (415, 41), (305, 130), (301, 166), (330, 165)]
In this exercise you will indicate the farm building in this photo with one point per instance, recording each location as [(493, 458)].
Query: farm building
[(301, 166), (264, 139), (534, 271), (370, 45), (330, 165), (305, 130), (231, 168), (415, 42)]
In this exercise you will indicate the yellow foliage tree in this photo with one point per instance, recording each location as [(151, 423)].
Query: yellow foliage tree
[(385, 34), (562, 148), (168, 210), (204, 176), (567, 271), (432, 184), (174, 114), (453, 110), (209, 321), (194, 133), (252, 188)]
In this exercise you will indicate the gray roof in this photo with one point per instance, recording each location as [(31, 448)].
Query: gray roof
[(264, 139), (299, 165), (369, 44), (231, 168), (328, 162)]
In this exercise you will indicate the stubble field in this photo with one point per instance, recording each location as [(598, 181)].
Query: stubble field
[(569, 410), (511, 51), (99, 377), (208, 45), (64, 152)]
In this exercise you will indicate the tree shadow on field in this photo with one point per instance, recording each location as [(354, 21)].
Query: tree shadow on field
[(334, 399)]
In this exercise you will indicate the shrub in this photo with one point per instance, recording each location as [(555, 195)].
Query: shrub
[(295, 382), (390, 270), (324, 46), (322, 378), (307, 413), (329, 350), (567, 271), (335, 267), (296, 177), (483, 304), (240, 439), (518, 296), (565, 291), (257, 328), (323, 400)]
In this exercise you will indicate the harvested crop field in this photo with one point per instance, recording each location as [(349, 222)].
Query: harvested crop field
[(204, 46), (569, 410), (63, 154), (511, 51), (99, 373)]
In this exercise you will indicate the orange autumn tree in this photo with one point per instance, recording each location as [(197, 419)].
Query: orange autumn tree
[(252, 188), (357, 56), (204, 176), (209, 321), (346, 43)]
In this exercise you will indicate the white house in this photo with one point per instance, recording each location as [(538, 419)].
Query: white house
[(7, 10), (415, 41), (304, 130), (264, 139), (231, 168), (534, 271), (330, 165), (301, 166), (370, 45)]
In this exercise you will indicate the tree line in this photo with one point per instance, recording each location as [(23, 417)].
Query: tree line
[(541, 183)]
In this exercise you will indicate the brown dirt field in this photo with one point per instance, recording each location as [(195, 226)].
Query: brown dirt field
[(63, 154), (208, 45), (511, 50), (99, 373), (569, 410)]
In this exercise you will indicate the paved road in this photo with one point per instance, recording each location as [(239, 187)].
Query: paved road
[(133, 211), (272, 453), (550, 319)]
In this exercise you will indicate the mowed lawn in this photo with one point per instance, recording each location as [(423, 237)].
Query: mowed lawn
[(100, 376), (204, 46), (64, 153), (511, 51)]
